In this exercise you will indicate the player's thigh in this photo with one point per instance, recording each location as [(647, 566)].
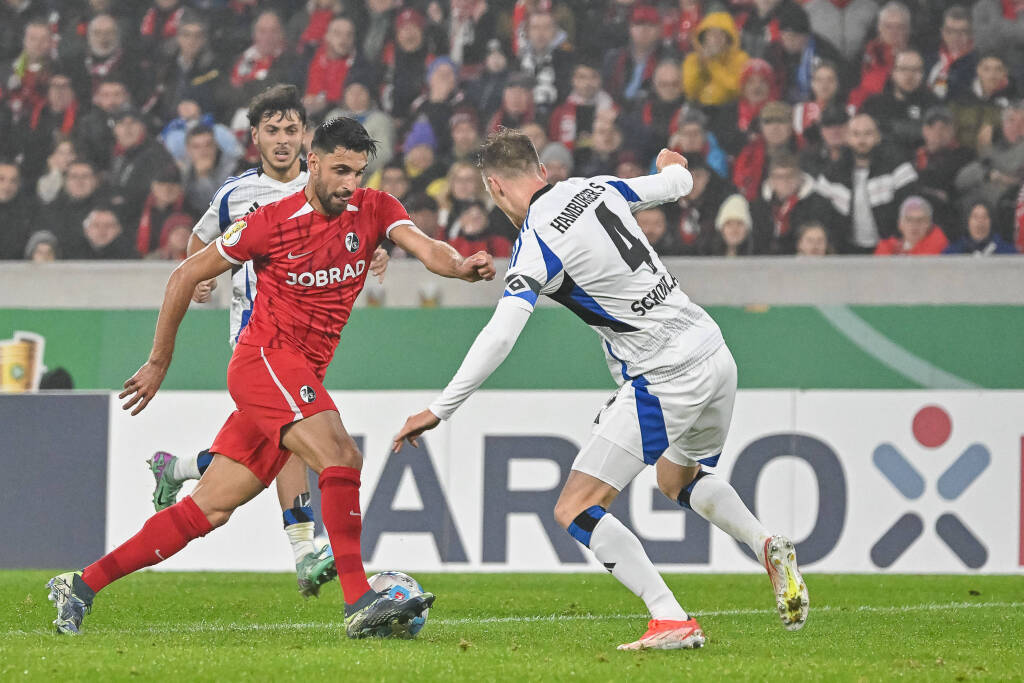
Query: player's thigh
[(225, 486), (322, 441), (292, 481)]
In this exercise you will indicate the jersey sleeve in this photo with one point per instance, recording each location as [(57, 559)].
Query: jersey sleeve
[(217, 218), (390, 214), (247, 238), (648, 191), (531, 268)]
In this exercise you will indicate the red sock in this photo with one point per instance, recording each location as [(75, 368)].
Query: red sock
[(339, 505), (163, 534)]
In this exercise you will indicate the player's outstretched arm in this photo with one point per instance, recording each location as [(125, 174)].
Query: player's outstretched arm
[(671, 182), (490, 349), (440, 257), (143, 385)]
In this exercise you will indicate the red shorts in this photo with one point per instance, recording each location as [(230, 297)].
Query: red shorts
[(272, 388)]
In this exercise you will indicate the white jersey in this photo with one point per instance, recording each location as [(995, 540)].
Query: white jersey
[(237, 197), (581, 246)]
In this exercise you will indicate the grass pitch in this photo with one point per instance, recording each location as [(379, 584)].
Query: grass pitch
[(228, 627)]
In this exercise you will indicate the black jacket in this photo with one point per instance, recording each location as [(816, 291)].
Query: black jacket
[(898, 120), (15, 222)]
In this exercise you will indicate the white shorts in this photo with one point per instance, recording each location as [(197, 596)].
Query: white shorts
[(684, 419)]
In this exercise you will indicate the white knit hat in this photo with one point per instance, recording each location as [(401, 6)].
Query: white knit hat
[(734, 208)]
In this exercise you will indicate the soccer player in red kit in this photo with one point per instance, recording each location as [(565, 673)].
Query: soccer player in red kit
[(310, 251)]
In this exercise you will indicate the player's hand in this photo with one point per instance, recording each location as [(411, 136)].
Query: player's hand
[(413, 427), (479, 266), (204, 290), (667, 157), (379, 264), (142, 386)]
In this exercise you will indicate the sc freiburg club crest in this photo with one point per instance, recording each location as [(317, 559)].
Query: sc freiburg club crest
[(352, 242)]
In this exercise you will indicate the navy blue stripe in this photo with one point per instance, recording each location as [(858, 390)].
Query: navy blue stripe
[(224, 212), (625, 190), (652, 421)]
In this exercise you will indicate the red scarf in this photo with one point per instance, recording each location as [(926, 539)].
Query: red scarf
[(316, 29), (251, 67), (327, 75), (146, 222), (780, 214), (170, 27), (747, 112), (67, 123)]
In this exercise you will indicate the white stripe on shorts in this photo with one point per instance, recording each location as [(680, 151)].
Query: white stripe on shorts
[(287, 396)]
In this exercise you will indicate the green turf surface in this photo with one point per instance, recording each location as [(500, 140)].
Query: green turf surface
[(226, 627)]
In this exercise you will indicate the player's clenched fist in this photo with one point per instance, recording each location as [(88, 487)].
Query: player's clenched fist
[(143, 386), (667, 157), (479, 266)]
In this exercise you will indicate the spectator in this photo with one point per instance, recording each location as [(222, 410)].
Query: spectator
[(419, 157), (735, 124), (438, 104), (206, 167), (51, 183), (358, 104), (628, 70), (43, 247), (604, 26), (690, 135), (880, 53), (175, 233), (486, 91), (999, 169), (677, 27), (306, 28), (516, 104), (864, 217), (423, 211), (462, 187), (574, 119), (469, 233), (999, 29), (795, 53), (627, 165), (393, 180), (600, 156), (711, 73), (104, 236), (817, 155), (94, 132), (166, 197), (48, 122), (471, 24), (952, 68), (263, 63), (65, 215), (465, 134), (24, 79), (647, 125), (405, 63), (105, 59), (189, 115), (138, 157), (824, 94), (775, 136), (654, 225), (14, 16), (980, 240), (334, 63), (761, 26), (901, 106), (843, 23), (537, 133), (691, 218), (733, 229), (375, 26), (787, 199), (159, 28), (918, 236), (547, 58), (191, 73), (16, 212), (557, 159), (812, 239), (978, 110), (938, 161)]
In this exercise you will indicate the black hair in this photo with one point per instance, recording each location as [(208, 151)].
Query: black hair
[(199, 129), (343, 132), (276, 100)]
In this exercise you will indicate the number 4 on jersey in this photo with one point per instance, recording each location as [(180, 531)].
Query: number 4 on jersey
[(632, 250)]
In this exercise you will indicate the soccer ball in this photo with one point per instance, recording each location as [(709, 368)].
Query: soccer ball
[(399, 586)]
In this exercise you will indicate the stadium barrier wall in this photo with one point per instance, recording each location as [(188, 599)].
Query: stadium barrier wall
[(865, 481)]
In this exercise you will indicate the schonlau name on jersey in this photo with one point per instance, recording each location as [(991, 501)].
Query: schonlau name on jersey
[(322, 278), (654, 297)]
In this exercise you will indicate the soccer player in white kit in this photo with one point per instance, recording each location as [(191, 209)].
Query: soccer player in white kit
[(580, 245), (277, 119)]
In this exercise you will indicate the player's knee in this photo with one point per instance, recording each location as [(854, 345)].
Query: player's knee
[(218, 518), (565, 512)]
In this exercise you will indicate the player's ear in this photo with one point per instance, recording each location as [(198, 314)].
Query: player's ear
[(253, 131), (543, 172), (494, 186)]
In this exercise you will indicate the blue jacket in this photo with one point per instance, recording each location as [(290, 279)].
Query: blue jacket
[(993, 245)]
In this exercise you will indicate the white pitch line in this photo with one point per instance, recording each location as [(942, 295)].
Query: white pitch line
[(549, 618)]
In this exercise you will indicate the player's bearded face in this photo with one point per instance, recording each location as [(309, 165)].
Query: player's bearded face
[(336, 176), (279, 139)]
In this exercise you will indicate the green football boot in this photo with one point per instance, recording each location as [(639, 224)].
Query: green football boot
[(314, 570), (166, 492)]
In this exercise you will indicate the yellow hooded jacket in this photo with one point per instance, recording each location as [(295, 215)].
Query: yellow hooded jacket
[(716, 81)]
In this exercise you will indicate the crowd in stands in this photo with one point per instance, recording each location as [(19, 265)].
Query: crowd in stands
[(823, 126)]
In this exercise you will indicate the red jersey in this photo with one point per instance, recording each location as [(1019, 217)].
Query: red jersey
[(310, 268)]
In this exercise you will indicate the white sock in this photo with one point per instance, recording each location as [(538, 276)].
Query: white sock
[(301, 537), (619, 550), (714, 499), (186, 468)]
